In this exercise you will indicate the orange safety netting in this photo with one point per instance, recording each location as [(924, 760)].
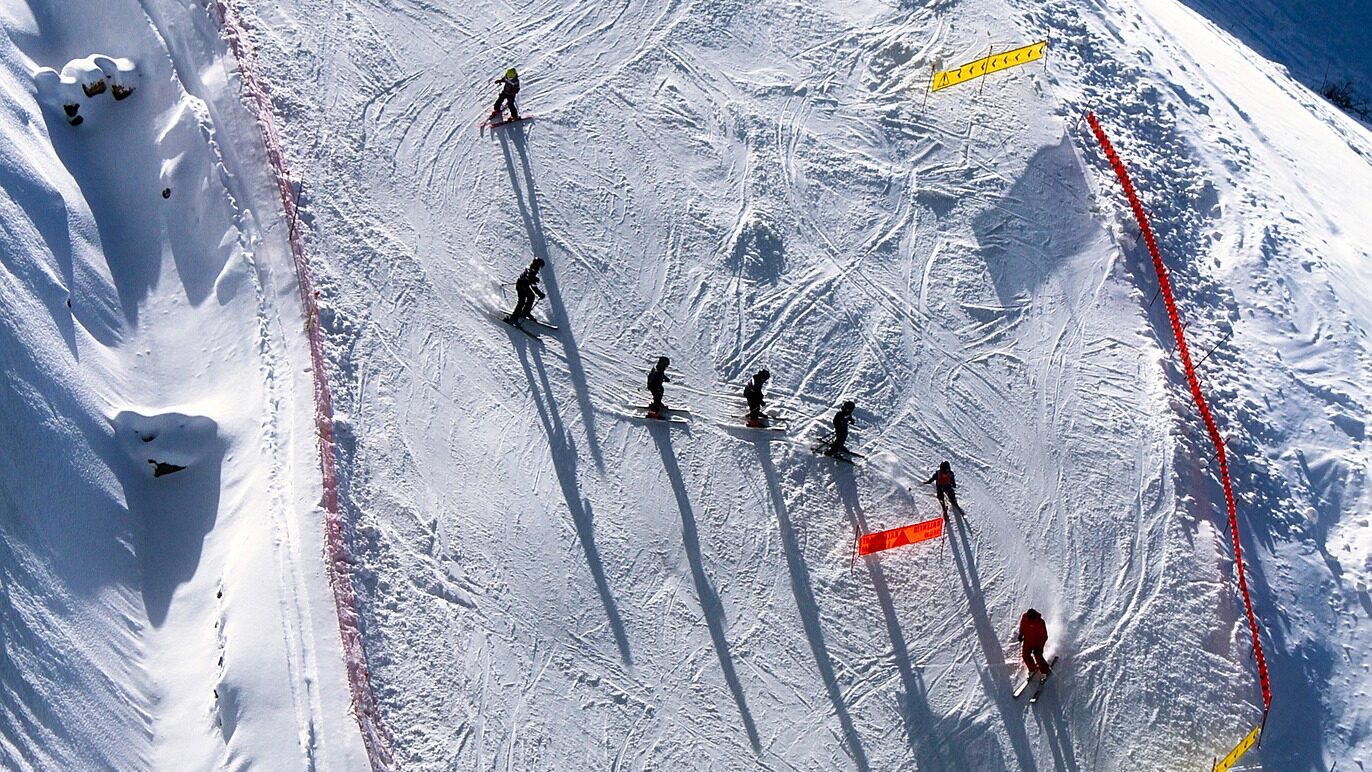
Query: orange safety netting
[(899, 537), (1199, 398)]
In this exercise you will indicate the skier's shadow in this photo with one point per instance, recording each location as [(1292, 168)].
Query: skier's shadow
[(564, 457), (710, 603), (532, 215), (991, 646), (931, 754), (1049, 714), (807, 606)]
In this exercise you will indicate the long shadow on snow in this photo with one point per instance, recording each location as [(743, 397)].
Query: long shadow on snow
[(1054, 726), (932, 754), (529, 211), (807, 606), (709, 599), (1010, 710), (563, 453), (74, 546)]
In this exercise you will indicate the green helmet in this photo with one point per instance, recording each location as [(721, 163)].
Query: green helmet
[(511, 74)]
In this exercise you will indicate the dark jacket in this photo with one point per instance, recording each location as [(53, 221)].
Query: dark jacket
[(528, 282), (656, 377), (753, 393), (509, 87), (842, 421)]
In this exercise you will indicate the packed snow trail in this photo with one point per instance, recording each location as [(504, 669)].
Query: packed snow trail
[(163, 603), (738, 186)]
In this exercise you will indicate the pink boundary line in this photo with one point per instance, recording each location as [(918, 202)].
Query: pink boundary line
[(374, 734), (1194, 382)]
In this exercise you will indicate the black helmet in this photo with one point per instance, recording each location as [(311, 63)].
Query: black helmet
[(762, 375), (849, 406), (1033, 614), (662, 363), (945, 467), (537, 263)]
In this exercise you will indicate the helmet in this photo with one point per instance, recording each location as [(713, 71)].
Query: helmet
[(662, 362), (762, 375), (1033, 614), (537, 263), (849, 406), (511, 74), (945, 467)]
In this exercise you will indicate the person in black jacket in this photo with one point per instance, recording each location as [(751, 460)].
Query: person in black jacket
[(508, 91), (842, 420), (753, 393), (656, 377), (526, 287), (946, 484)]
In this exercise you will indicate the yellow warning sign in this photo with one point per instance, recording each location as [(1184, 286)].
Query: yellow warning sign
[(986, 66), (1233, 758)]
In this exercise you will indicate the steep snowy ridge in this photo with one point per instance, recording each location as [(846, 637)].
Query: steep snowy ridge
[(161, 576)]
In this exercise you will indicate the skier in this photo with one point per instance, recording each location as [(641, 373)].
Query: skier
[(1033, 635), (508, 91), (527, 287), (656, 377), (753, 393), (946, 487), (842, 420)]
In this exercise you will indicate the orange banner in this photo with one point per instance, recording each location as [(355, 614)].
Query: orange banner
[(899, 537)]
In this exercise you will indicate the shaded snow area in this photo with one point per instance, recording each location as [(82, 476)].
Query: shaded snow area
[(548, 581), (163, 598)]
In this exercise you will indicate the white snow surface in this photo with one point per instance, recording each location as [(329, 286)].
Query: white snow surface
[(548, 583)]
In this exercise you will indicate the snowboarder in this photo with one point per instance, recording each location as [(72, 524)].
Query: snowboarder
[(1033, 635), (527, 287), (508, 91), (753, 393), (656, 377), (946, 484), (842, 420)]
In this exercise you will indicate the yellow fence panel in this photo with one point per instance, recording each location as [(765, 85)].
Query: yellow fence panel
[(1233, 758), (987, 65)]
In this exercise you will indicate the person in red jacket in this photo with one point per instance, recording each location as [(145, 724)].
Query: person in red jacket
[(1033, 635)]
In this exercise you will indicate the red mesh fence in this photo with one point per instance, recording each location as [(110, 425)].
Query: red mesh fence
[(369, 719), (1196, 395)]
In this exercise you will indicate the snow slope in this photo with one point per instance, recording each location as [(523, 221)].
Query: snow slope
[(149, 321), (744, 185)]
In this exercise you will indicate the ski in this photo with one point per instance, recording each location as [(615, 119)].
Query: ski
[(846, 456), (667, 410), (660, 418), (762, 427), (500, 317), (490, 123), (1023, 687), (543, 324), (1033, 698)]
